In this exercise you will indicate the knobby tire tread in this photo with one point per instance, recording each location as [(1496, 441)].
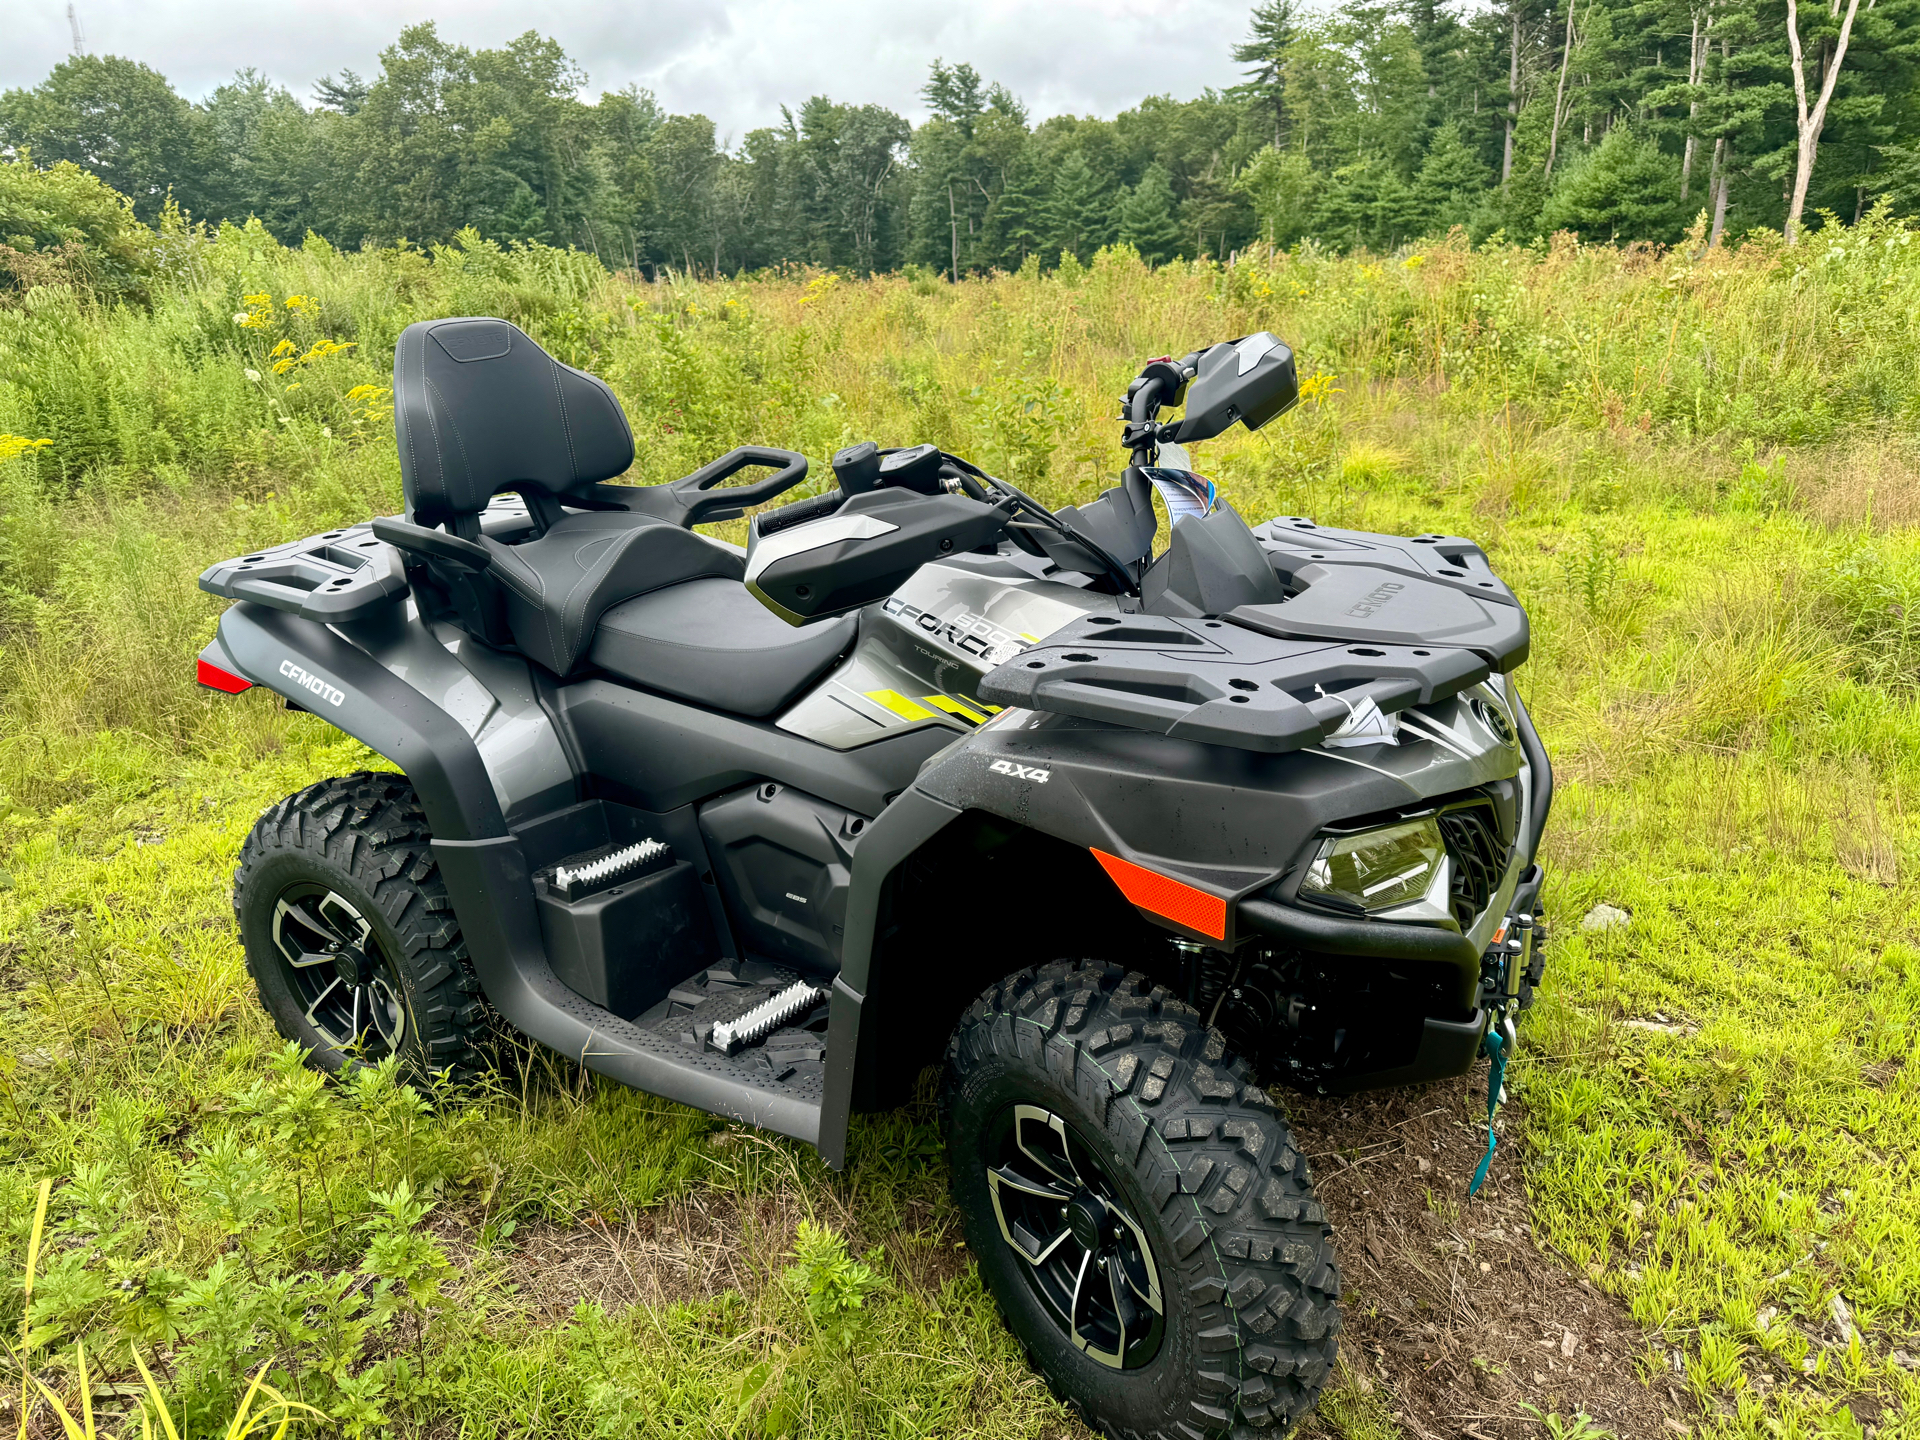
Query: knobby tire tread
[(370, 824), (1251, 1245)]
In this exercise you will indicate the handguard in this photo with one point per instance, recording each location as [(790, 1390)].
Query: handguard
[(865, 550)]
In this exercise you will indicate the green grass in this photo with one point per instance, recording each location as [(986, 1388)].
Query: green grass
[(1698, 474)]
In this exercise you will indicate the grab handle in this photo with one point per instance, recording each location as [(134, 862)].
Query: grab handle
[(692, 500)]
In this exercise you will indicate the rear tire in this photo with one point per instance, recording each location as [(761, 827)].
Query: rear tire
[(1195, 1164), (350, 937)]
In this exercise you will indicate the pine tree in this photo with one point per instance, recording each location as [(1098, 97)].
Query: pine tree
[(1366, 204), (1451, 181), (1147, 219), (1078, 208), (1275, 26), (1017, 222), (1514, 208), (1624, 189)]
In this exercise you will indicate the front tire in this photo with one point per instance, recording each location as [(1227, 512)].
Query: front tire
[(1097, 1129), (349, 935)]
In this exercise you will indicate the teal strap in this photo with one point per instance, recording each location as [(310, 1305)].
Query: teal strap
[(1496, 1051)]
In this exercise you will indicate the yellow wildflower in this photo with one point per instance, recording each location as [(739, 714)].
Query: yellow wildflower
[(17, 445), (1318, 387)]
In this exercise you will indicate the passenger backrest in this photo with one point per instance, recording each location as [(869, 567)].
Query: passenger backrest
[(479, 409)]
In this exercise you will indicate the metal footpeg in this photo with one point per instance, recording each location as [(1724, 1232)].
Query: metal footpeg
[(571, 880), (766, 1018)]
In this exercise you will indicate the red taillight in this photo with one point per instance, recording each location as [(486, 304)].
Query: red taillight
[(214, 678), (1164, 896)]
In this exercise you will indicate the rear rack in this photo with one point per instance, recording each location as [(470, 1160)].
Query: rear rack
[(334, 577), (341, 576)]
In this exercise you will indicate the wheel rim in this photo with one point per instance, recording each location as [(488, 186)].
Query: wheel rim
[(1083, 1254), (348, 986)]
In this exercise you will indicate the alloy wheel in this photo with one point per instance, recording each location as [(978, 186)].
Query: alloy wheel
[(1084, 1255), (348, 986)]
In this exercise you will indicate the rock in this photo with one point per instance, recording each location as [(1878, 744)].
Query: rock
[(1843, 1317), (1605, 917), (1635, 1024)]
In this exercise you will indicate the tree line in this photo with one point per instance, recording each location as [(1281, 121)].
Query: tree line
[(1367, 125)]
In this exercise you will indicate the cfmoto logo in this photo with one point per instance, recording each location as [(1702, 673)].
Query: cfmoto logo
[(1375, 599), (307, 680), (1021, 773), (1497, 723)]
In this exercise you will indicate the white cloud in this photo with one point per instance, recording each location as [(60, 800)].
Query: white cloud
[(738, 62)]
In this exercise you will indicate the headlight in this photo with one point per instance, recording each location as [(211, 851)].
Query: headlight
[(1381, 869)]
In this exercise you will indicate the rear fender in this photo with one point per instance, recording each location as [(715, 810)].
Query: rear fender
[(318, 671)]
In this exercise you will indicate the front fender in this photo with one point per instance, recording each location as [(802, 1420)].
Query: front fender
[(1215, 820)]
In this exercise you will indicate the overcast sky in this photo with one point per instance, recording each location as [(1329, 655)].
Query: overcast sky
[(737, 62)]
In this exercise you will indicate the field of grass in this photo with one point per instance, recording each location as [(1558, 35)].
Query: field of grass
[(1699, 473)]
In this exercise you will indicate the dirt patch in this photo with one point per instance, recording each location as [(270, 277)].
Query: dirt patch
[(1455, 1317), (704, 1245), (686, 1250)]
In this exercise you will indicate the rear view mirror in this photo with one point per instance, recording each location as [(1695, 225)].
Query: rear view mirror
[(1250, 380)]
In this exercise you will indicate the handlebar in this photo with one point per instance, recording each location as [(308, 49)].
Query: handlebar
[(812, 508)]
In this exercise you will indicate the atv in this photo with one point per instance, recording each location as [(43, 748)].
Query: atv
[(771, 831)]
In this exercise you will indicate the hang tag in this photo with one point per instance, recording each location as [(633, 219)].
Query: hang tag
[(1182, 491), (1365, 726)]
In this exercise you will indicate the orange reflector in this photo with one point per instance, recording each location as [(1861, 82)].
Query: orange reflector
[(1165, 896), (214, 678)]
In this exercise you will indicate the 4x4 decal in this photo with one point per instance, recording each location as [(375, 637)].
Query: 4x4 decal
[(1037, 774)]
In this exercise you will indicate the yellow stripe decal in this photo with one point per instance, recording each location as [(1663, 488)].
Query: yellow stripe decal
[(954, 707), (900, 705)]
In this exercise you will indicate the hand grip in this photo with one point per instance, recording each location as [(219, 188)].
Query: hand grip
[(465, 555), (779, 518)]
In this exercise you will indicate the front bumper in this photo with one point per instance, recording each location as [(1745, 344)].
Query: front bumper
[(1484, 985), (1446, 1048)]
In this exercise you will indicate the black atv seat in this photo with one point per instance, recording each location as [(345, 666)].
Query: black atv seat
[(479, 408), (558, 586), (709, 641)]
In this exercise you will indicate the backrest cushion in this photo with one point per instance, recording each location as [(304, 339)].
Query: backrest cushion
[(479, 408)]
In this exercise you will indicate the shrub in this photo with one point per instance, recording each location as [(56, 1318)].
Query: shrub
[(64, 226), (1623, 189)]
